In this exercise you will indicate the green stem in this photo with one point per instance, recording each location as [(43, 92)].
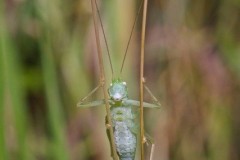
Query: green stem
[(54, 105), (3, 150)]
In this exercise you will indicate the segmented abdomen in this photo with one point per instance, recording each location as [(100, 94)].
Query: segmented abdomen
[(125, 139)]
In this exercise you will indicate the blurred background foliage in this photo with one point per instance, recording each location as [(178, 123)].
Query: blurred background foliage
[(48, 62)]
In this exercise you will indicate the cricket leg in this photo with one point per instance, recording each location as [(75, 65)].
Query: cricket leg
[(149, 139), (156, 101), (136, 103), (91, 104), (91, 93), (108, 135)]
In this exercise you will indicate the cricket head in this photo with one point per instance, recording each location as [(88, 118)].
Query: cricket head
[(118, 90)]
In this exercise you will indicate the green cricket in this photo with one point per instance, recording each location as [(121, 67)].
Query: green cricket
[(123, 110)]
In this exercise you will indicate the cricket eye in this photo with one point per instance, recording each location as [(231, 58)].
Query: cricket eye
[(124, 83), (111, 84)]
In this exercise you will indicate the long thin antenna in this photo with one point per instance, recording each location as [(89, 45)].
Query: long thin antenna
[(129, 40), (105, 39)]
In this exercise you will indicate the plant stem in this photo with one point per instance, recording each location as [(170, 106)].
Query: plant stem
[(102, 79), (141, 77), (57, 146), (3, 150)]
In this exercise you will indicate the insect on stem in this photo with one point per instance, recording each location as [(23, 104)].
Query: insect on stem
[(122, 128)]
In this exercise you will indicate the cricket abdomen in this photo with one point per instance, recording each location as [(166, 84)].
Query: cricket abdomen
[(125, 139)]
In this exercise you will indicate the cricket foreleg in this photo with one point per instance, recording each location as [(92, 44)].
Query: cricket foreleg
[(91, 104), (156, 101), (137, 103), (91, 93)]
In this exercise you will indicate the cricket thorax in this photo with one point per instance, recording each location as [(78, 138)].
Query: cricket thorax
[(122, 114)]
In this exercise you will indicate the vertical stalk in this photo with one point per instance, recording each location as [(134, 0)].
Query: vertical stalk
[(2, 108), (3, 150), (48, 13), (56, 122), (12, 71), (102, 79), (141, 76)]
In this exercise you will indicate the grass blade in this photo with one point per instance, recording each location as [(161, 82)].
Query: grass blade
[(3, 150), (54, 105), (14, 84)]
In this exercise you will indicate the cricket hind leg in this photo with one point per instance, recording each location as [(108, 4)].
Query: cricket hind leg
[(148, 139), (108, 135)]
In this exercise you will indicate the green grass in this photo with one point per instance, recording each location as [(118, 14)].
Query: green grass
[(48, 62), (3, 148)]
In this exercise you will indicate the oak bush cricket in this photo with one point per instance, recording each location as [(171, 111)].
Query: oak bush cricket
[(121, 120)]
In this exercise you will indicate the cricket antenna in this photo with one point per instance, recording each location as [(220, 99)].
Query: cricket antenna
[(105, 39), (129, 40)]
